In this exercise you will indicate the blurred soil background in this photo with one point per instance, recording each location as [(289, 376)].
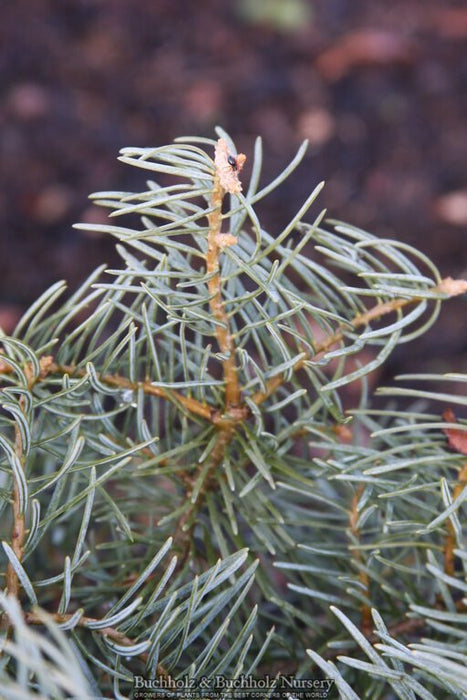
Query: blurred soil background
[(378, 88)]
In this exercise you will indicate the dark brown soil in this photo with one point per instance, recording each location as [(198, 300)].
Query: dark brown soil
[(379, 88)]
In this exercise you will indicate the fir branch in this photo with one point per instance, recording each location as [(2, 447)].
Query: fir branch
[(223, 332), (225, 179), (115, 635), (447, 287), (196, 322), (205, 471), (209, 413)]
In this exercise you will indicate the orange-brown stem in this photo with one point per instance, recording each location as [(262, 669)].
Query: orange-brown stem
[(332, 339), (187, 402), (118, 637), (450, 542), (183, 537), (234, 413), (365, 610), (223, 334), (18, 531)]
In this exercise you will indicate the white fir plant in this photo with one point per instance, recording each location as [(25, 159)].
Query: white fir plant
[(184, 493)]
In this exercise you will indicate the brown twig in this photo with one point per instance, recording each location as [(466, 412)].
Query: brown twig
[(224, 336), (365, 610), (191, 405), (203, 410), (447, 286), (457, 441), (184, 535), (450, 541), (234, 413), (18, 532), (33, 618)]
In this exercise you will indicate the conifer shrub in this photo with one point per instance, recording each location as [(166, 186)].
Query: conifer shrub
[(190, 493)]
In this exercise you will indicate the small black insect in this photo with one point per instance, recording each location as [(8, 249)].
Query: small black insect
[(232, 162)]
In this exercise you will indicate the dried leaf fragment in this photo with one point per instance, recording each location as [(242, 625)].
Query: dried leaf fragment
[(228, 167), (45, 363), (457, 439), (452, 287), (224, 240), (343, 433), (5, 367)]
